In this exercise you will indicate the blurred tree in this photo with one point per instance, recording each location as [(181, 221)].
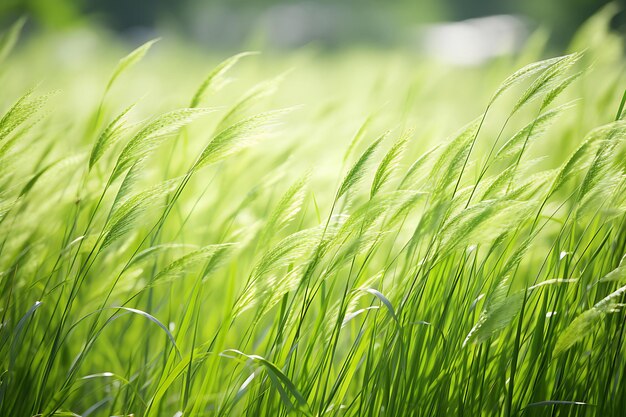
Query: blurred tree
[(124, 14), (57, 13), (562, 17)]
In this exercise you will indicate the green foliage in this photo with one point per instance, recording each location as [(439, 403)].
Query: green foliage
[(152, 135), (9, 39), (216, 80), (128, 62), (499, 311), (109, 136), (356, 173), (480, 275), (583, 324), (388, 165)]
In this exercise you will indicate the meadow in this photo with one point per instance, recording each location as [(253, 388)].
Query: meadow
[(352, 233)]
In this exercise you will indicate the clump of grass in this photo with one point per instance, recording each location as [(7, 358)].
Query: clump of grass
[(253, 258)]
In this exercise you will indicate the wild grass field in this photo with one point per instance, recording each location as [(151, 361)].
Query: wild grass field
[(364, 233)]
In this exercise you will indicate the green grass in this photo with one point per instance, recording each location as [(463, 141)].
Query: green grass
[(310, 234)]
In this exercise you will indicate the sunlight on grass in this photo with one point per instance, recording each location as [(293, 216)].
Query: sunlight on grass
[(354, 234)]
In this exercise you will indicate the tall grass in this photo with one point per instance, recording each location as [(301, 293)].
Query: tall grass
[(225, 251)]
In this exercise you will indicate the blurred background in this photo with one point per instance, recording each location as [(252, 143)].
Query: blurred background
[(279, 24)]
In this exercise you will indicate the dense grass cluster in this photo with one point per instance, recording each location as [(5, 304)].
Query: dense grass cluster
[(316, 242)]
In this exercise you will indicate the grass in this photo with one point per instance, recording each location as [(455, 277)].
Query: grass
[(307, 241)]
